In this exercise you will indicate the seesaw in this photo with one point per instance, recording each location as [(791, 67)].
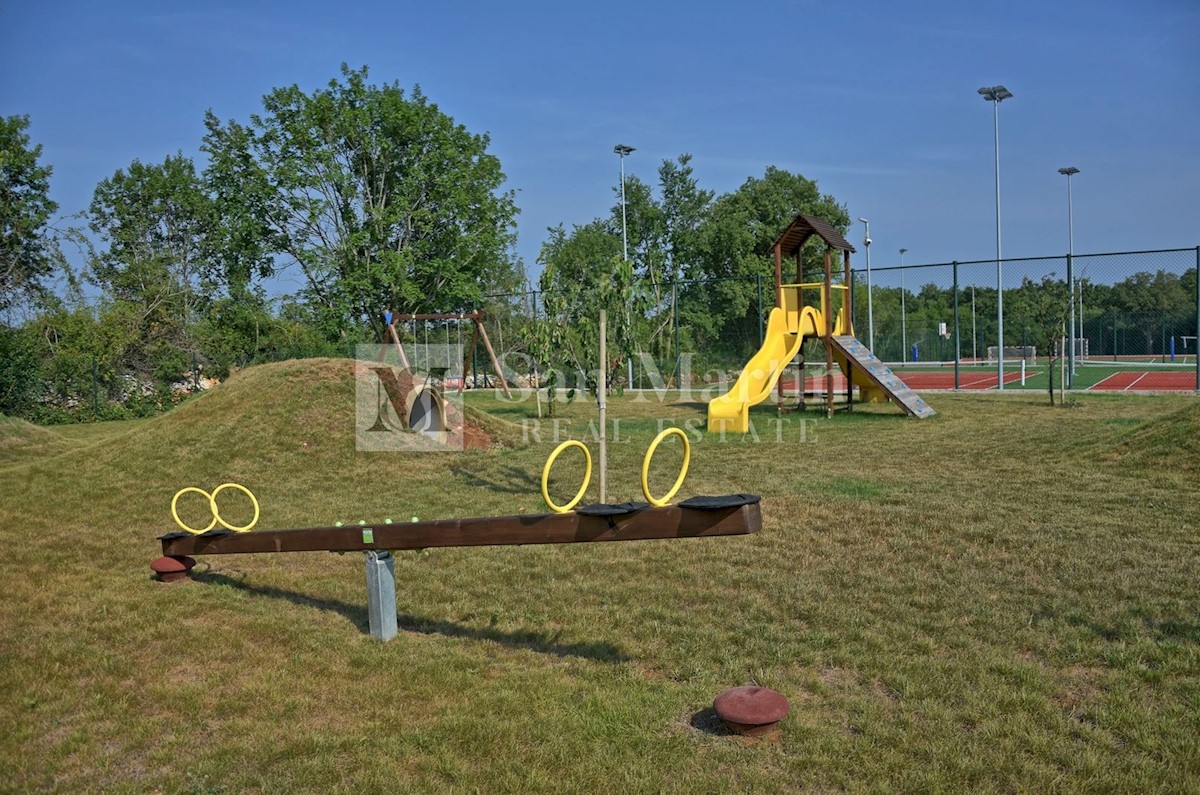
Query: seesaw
[(698, 517)]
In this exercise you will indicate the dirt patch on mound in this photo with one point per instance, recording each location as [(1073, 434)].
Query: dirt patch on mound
[(463, 429)]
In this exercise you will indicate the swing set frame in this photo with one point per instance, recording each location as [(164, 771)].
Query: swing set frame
[(479, 332)]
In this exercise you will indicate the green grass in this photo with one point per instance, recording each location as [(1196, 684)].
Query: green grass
[(1000, 598)]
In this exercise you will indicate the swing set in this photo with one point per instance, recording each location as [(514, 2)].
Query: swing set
[(478, 332)]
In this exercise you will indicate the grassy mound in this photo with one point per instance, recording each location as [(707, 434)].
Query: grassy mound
[(286, 430), (1172, 441), (21, 441)]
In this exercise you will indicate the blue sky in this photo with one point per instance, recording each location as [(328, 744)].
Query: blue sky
[(875, 100)]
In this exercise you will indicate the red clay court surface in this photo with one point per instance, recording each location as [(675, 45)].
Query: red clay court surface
[(919, 381), (1132, 381), (1174, 381), (916, 381)]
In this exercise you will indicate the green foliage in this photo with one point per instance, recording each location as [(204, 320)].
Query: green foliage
[(27, 249), (153, 221), (19, 382), (582, 274), (381, 199), (720, 246), (84, 349), (734, 247)]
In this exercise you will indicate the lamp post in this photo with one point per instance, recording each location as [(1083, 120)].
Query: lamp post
[(996, 95), (621, 150), (1068, 172), (903, 312), (870, 300)]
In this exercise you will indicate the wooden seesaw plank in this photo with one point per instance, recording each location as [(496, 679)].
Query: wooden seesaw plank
[(672, 521)]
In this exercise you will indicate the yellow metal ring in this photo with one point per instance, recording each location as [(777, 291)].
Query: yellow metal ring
[(212, 499), (175, 512), (687, 456), (587, 476)]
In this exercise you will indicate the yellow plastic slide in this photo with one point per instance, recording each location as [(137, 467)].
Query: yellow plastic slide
[(785, 334)]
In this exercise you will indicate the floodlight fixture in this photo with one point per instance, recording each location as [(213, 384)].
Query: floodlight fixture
[(995, 93)]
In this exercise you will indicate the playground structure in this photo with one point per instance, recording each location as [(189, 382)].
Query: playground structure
[(698, 517), (478, 332), (792, 321), (419, 401)]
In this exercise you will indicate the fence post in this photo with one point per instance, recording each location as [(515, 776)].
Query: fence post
[(1196, 339), (1071, 301), (1162, 328), (957, 342)]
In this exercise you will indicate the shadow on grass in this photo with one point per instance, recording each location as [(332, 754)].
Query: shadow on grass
[(706, 721), (1160, 630), (510, 480), (540, 642)]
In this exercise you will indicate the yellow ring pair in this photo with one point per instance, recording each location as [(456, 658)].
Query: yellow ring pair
[(212, 503), (587, 475)]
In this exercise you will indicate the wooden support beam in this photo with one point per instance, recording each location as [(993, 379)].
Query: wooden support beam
[(672, 521), (399, 346), (778, 251), (492, 354), (440, 316), (469, 358)]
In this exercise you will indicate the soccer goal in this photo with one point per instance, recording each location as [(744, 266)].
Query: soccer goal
[(1012, 352)]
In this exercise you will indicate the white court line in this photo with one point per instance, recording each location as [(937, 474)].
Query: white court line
[(1139, 378), (1099, 385)]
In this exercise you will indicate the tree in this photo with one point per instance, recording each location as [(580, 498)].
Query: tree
[(381, 199), (731, 257), (1046, 305), (153, 221), (27, 248), (666, 234), (582, 273)]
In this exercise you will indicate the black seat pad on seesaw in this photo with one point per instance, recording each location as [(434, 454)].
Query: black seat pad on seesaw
[(214, 533), (719, 502), (612, 509)]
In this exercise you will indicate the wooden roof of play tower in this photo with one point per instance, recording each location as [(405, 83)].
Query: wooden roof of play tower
[(804, 227)]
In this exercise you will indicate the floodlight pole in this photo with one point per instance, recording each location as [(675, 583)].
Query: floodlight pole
[(622, 150), (1068, 172), (996, 95), (870, 304), (903, 312)]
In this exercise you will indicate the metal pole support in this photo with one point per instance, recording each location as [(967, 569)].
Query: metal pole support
[(381, 593), (957, 337)]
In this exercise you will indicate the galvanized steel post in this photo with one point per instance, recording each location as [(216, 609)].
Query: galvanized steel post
[(957, 345), (381, 593)]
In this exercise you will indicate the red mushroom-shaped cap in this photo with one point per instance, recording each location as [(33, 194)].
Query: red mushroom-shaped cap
[(750, 709), (170, 569)]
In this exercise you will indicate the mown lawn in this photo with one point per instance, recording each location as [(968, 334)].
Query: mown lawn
[(1001, 598)]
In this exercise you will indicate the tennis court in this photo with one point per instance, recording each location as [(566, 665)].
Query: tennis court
[(1149, 381), (1093, 377)]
